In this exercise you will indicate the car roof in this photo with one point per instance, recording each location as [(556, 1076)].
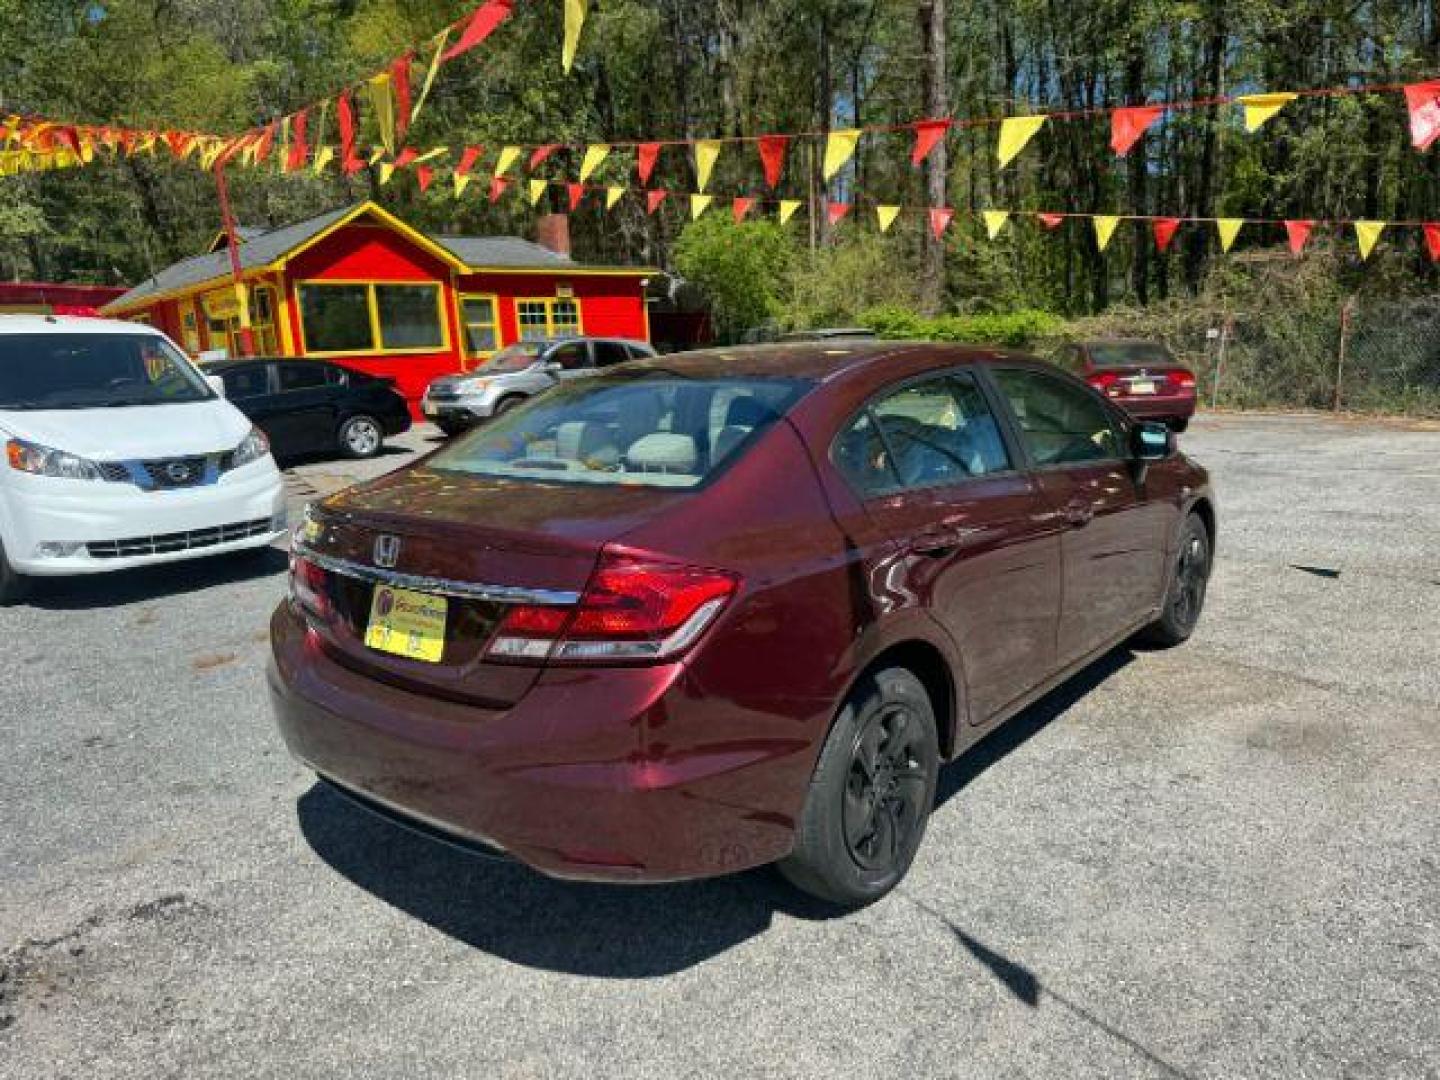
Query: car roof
[(816, 359), (70, 324), (218, 366)]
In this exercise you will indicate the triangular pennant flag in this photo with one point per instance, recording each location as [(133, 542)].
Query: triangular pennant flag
[(698, 204), (739, 207), (886, 215), (382, 103), (612, 196), (1128, 124), (1261, 108), (539, 154), (468, 157), (439, 39), (423, 175), (787, 209), (772, 157), (653, 199), (1104, 229), (537, 188), (176, 141), (1015, 133), (646, 155), (1051, 221), (323, 156), (431, 154), (406, 157), (574, 20), (940, 220), (1298, 232), (400, 81), (707, 151), (1432, 240), (299, 152), (576, 193), (1423, 100), (461, 181), (1229, 229), (1368, 234), (387, 170), (345, 116), (482, 24), (508, 156), (595, 155), (995, 221), (839, 148), (263, 145), (928, 134), (1164, 229), (498, 184), (835, 211), (376, 154)]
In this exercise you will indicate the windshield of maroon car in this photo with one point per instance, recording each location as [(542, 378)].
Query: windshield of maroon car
[(649, 428), (1137, 355)]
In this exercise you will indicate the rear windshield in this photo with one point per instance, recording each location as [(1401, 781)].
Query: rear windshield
[(94, 371), (1138, 355), (650, 428)]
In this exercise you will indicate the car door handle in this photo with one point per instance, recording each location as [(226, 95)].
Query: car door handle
[(1078, 513)]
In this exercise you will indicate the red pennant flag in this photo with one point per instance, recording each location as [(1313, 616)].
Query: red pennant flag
[(468, 158), (177, 141), (541, 153), (486, 18), (740, 207), (345, 116), (299, 125), (1432, 240), (772, 157), (1165, 229), (645, 156), (423, 175), (940, 220), (834, 211), (1051, 221), (1299, 233), (928, 134), (265, 142), (406, 156), (69, 137), (498, 184), (127, 141), (1127, 125), (577, 192), (400, 86), (653, 199), (1424, 101)]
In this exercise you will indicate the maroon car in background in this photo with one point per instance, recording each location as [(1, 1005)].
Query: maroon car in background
[(1142, 377), (715, 610)]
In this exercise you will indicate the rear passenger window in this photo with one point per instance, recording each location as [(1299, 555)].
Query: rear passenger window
[(245, 383), (301, 376), (610, 352), (1060, 422), (572, 357)]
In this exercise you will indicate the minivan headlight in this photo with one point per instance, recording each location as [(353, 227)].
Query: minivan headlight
[(47, 461), (252, 448)]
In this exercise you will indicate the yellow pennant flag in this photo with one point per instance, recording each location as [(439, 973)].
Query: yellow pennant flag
[(574, 20), (382, 100), (1260, 108), (1015, 133), (1104, 229), (462, 181), (595, 154), (211, 152), (440, 40), (787, 209), (508, 156), (612, 196), (537, 188), (1368, 233), (839, 148), (706, 153), (387, 170), (887, 216), (995, 221), (430, 155), (323, 156), (699, 204), (1229, 229), (376, 154)]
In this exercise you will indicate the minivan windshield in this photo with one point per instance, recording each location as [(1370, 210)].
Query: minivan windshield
[(94, 371), (512, 358), (653, 428)]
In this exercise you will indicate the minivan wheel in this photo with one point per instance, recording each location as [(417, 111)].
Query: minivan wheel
[(1188, 581), (504, 405), (361, 437), (871, 794), (13, 587)]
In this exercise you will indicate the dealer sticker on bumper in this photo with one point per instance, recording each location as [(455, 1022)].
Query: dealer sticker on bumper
[(406, 623)]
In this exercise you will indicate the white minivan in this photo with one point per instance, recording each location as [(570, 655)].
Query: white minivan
[(118, 453)]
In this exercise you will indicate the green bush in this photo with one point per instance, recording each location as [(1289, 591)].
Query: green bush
[(741, 268), (1015, 329), (833, 285)]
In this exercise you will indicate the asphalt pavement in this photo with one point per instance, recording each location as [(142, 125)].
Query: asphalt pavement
[(1216, 861)]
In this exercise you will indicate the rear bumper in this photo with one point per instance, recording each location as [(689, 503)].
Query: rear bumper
[(567, 780), (1173, 407)]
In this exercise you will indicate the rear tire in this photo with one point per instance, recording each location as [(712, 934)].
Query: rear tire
[(504, 405), (449, 428), (871, 795), (1185, 597), (1179, 426), (361, 436), (13, 587)]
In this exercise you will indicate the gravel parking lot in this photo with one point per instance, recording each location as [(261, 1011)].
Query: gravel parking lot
[(1218, 861)]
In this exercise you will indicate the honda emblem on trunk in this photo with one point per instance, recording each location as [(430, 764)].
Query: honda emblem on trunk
[(387, 550)]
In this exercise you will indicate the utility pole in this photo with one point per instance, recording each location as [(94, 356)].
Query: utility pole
[(935, 78), (232, 244)]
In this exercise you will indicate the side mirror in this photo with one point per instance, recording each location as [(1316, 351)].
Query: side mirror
[(216, 383), (1152, 442)]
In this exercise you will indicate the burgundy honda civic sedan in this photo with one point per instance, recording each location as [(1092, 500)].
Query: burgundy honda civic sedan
[(710, 611)]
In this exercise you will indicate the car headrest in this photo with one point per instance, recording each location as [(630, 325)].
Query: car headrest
[(747, 412), (663, 452)]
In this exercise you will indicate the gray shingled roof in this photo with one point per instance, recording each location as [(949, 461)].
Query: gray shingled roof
[(501, 251)]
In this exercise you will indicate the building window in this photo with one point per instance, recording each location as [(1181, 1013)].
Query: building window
[(372, 318), (542, 319), (262, 322), (190, 330), (482, 330)]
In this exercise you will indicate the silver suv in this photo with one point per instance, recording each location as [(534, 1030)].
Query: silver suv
[(519, 371)]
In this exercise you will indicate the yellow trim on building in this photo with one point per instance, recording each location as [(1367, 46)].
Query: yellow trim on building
[(373, 310)]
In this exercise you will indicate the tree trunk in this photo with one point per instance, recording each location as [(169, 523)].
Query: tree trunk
[(934, 75)]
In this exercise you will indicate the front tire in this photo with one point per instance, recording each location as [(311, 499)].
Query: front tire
[(871, 795), (361, 437), (1185, 597)]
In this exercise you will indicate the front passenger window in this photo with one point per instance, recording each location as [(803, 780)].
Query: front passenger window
[(1060, 422)]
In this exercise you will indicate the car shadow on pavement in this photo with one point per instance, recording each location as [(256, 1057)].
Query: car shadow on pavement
[(610, 931), (121, 587)]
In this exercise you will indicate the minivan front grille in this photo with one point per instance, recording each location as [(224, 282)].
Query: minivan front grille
[(190, 540), (167, 474)]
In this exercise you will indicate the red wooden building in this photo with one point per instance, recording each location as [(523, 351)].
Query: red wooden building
[(361, 287), (49, 298)]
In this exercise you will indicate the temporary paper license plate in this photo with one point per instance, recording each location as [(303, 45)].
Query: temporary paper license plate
[(406, 623), (1142, 386)]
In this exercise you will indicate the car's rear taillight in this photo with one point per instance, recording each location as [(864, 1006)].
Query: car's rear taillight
[(308, 589), (631, 609), (1107, 382), (1184, 380)]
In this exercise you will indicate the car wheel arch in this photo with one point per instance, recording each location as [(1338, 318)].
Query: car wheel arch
[(1206, 512), (928, 663)]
